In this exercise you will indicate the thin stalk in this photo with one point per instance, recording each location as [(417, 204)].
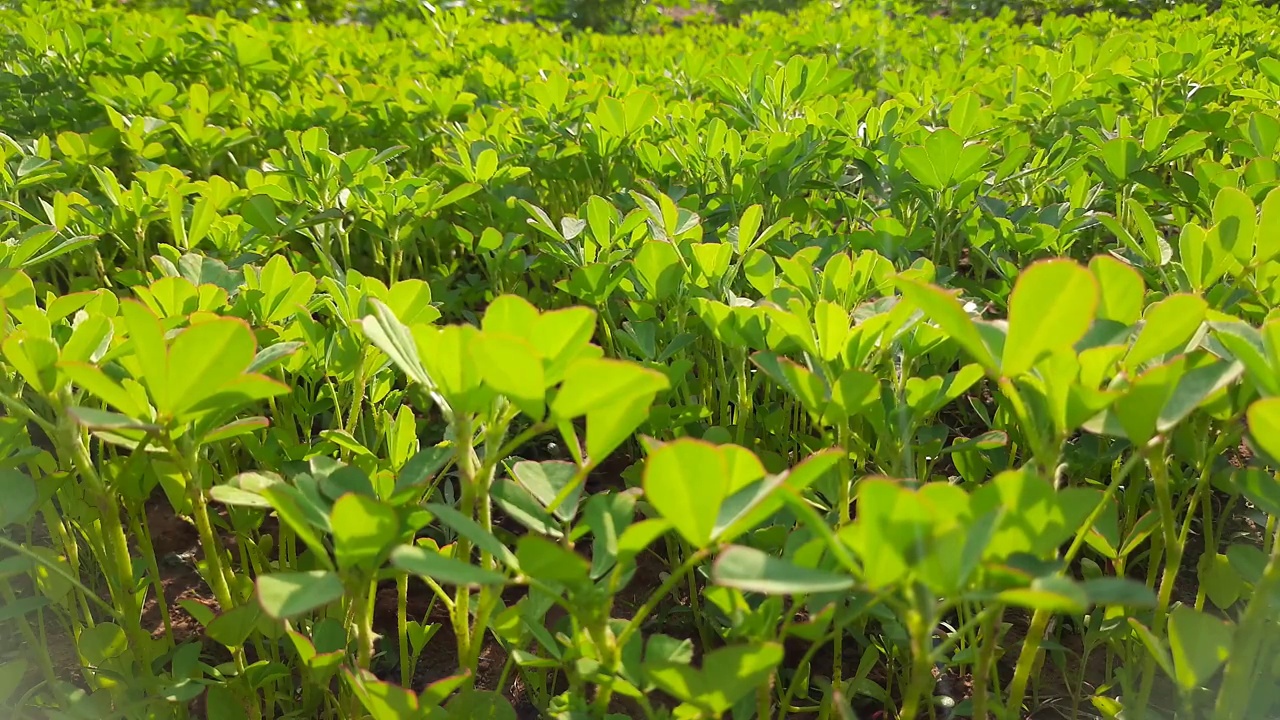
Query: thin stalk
[(1172, 562), (465, 460), (357, 396), (638, 618), (362, 614), (29, 635), (402, 628), (209, 546), (695, 606), (785, 701), (846, 483), (208, 543), (117, 544), (986, 658), (611, 652), (954, 639), (56, 569), (1240, 677), (743, 415), (1040, 618), (138, 525), (921, 631), (57, 528)]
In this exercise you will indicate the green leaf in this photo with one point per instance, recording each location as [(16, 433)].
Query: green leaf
[(639, 536), (657, 267), (20, 497), (1136, 413), (1235, 223), (1248, 561), (1166, 327), (1198, 254), (1264, 429), (1261, 488), (521, 506), (448, 354), (1053, 593), (546, 480), (472, 704), (944, 160), (1154, 646), (346, 441), (1221, 582), (511, 366), (1121, 157), (604, 515), (686, 481), (1205, 377), (419, 470), (562, 336), (36, 359), (1199, 643), (232, 628), (451, 571), (797, 380), (11, 675), (608, 426), (302, 515), (544, 560), (101, 643), (1267, 241), (22, 606), (435, 693), (509, 315), (1118, 591), (363, 529), (383, 700), (751, 570), (946, 311), (147, 340), (595, 383), (205, 358), (1051, 308), (392, 337), (1120, 290), (727, 675), (471, 530), (747, 507), (748, 226), (287, 595)]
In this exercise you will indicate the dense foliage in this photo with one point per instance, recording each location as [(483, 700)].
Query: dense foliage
[(834, 363)]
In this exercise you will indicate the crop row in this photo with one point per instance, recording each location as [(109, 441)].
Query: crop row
[(451, 369)]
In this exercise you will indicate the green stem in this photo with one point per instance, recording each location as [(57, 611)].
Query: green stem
[(1172, 562), (986, 657), (1240, 678), (921, 630), (465, 459), (357, 397), (56, 569), (656, 596), (29, 635), (402, 627), (117, 544), (138, 525), (210, 547), (362, 614), (1027, 659), (785, 702)]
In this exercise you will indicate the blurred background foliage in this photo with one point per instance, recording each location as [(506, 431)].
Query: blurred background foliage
[(624, 16)]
